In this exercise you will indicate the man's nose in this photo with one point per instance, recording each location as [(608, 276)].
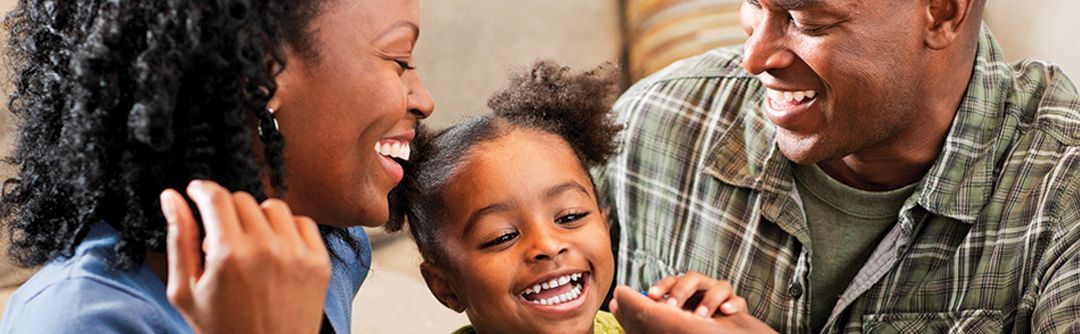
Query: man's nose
[(765, 48)]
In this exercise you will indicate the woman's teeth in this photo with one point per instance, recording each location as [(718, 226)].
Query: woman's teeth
[(394, 149), (790, 96), (574, 292)]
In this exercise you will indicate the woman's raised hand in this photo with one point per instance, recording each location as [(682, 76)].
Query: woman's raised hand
[(265, 270)]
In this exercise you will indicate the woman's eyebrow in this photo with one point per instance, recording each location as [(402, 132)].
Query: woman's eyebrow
[(415, 30)]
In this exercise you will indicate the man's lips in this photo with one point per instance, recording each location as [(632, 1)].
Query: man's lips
[(787, 109)]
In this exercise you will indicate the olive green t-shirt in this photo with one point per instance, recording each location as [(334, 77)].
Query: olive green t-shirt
[(846, 225)]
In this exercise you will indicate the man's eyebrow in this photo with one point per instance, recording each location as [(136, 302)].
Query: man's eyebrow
[(795, 4), (487, 210)]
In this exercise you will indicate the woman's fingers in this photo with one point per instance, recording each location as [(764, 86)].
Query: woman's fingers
[(217, 209), (309, 233), (281, 220), (183, 247), (250, 214)]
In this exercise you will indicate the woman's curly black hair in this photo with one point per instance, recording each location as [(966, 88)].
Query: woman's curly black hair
[(547, 98), (118, 100)]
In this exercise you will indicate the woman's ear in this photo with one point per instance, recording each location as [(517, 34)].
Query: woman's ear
[(438, 282)]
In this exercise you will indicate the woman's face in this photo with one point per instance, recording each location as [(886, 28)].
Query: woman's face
[(344, 111)]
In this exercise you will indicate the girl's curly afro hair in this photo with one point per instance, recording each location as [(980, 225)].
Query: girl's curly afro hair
[(546, 98), (118, 100)]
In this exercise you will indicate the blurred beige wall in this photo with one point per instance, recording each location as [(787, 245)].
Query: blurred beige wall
[(467, 47), (1044, 29)]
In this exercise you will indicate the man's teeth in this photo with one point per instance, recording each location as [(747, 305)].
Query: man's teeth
[(792, 96), (555, 283), (394, 149)]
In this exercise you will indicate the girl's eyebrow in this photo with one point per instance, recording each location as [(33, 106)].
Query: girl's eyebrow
[(487, 210), (564, 187)]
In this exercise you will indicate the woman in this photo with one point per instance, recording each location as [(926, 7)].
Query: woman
[(119, 100)]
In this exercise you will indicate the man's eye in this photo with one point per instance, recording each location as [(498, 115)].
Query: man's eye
[(500, 240), (754, 3), (810, 29), (570, 218)]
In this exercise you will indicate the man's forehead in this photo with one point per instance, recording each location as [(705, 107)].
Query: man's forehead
[(796, 4)]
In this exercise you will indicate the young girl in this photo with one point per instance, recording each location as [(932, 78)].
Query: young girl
[(506, 216)]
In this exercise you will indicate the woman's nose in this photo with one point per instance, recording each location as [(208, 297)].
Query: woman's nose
[(420, 101)]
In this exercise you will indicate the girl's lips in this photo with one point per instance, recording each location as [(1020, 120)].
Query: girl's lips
[(567, 307)]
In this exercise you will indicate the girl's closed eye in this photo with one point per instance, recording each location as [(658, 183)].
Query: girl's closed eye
[(501, 239), (571, 218)]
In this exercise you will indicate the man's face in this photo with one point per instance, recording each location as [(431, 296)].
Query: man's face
[(843, 76)]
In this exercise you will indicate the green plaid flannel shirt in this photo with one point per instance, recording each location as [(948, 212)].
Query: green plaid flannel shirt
[(987, 243)]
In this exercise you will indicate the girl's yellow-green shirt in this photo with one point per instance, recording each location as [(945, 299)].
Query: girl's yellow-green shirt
[(604, 323)]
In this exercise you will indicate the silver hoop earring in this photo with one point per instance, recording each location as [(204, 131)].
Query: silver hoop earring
[(270, 112)]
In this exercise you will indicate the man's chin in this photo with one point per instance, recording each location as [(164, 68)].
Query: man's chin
[(803, 150)]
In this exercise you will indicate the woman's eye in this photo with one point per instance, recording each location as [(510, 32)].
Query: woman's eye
[(405, 65), (570, 218), (500, 240)]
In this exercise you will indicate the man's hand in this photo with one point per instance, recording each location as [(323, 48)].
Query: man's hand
[(641, 314), (697, 292), (265, 271)]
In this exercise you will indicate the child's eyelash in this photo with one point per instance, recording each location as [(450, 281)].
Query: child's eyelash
[(501, 239), (571, 217)]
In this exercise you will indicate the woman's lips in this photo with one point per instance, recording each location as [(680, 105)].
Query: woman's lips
[(390, 149)]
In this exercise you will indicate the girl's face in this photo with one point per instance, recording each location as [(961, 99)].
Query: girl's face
[(527, 247), (335, 108)]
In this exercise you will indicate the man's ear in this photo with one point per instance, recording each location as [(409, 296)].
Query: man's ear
[(948, 19), (438, 282)]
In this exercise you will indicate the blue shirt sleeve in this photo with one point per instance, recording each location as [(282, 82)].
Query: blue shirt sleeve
[(81, 306)]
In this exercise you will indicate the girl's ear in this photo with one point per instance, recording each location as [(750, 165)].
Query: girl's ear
[(438, 282)]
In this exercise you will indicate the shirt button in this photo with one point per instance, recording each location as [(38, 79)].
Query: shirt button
[(795, 290)]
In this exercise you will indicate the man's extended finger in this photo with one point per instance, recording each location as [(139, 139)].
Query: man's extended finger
[(216, 209), (719, 294), (662, 287), (182, 246), (639, 314), (686, 286)]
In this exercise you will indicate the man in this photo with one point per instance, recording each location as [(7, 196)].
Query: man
[(861, 166)]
